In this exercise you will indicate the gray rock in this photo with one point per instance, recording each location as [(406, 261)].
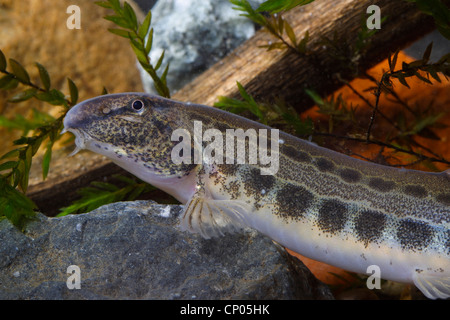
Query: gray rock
[(194, 34), (134, 250)]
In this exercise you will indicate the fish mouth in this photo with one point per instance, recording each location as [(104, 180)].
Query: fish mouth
[(80, 139)]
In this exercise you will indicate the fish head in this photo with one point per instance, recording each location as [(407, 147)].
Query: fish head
[(134, 130)]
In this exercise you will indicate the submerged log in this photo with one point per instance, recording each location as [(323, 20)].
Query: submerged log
[(265, 75)]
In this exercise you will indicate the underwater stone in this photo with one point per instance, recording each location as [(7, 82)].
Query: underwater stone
[(134, 250)]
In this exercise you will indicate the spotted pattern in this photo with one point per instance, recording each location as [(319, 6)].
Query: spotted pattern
[(324, 165), (255, 182), (414, 235), (350, 175), (444, 198), (415, 191), (381, 185), (295, 154), (332, 216), (369, 226), (293, 201)]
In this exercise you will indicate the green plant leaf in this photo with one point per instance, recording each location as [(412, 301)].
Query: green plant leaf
[(275, 6), (2, 61), (129, 14), (427, 53), (46, 160), (14, 205), (148, 45), (24, 95), (8, 165), (160, 60), (8, 82), (43, 74), (19, 71), (120, 32), (73, 91), (290, 33), (145, 26), (120, 21), (104, 4)]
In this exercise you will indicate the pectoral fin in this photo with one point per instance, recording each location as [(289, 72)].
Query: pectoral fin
[(212, 218), (432, 284)]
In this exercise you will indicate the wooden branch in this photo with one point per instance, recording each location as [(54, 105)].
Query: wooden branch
[(265, 75), (268, 74)]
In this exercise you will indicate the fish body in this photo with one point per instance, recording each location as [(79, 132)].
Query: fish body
[(322, 204)]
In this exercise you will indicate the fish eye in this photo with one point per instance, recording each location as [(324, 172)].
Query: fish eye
[(137, 105)]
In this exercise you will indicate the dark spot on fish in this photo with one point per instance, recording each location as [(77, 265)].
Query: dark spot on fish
[(97, 145), (256, 182), (324, 165), (381, 185), (294, 154), (416, 191), (332, 216), (369, 226), (293, 201), (350, 175), (414, 235), (444, 198), (228, 169)]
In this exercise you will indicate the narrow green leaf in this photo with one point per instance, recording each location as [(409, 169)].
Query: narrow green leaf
[(148, 45), (418, 75), (290, 33), (434, 74), (427, 53), (274, 6), (274, 45), (73, 91), (54, 97), (2, 61), (402, 80), (130, 14), (160, 60), (120, 32), (6, 80), (24, 95), (14, 205), (104, 185), (145, 26), (104, 4), (46, 160), (121, 22), (315, 97), (19, 71), (393, 63), (10, 154), (138, 52), (43, 74), (8, 165), (116, 5), (25, 165), (163, 79)]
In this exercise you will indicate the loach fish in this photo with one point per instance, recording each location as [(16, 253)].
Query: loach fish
[(232, 173)]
